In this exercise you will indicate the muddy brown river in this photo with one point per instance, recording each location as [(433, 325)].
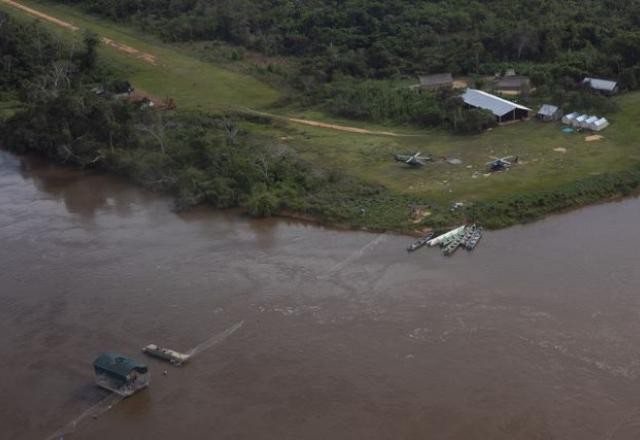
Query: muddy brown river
[(535, 335)]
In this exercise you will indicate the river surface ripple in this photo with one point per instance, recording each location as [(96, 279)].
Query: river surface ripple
[(535, 335)]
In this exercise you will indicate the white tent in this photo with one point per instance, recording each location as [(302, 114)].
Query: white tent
[(599, 125), (577, 122), (568, 119), (587, 122)]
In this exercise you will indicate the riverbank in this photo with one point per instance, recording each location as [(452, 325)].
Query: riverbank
[(557, 171)]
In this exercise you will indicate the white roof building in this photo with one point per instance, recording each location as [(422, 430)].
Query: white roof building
[(503, 109), (601, 85)]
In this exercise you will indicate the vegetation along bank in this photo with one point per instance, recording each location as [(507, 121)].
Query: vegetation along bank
[(187, 130)]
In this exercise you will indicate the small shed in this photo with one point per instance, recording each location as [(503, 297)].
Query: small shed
[(513, 83), (120, 374), (568, 119), (503, 110), (604, 86), (599, 125), (549, 112), (437, 81)]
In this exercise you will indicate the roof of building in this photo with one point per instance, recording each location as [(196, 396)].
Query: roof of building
[(548, 110), (495, 104), (572, 115), (118, 365), (512, 82), (436, 80), (600, 122), (600, 84)]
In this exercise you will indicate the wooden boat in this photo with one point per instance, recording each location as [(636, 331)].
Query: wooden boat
[(473, 241), (419, 242), (445, 237)]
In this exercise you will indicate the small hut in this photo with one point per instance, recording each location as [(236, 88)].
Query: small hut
[(120, 374), (604, 86), (549, 112)]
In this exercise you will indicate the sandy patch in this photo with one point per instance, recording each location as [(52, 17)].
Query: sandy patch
[(560, 150), (593, 138)]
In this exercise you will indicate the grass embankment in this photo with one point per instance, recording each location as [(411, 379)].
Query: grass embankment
[(556, 171)]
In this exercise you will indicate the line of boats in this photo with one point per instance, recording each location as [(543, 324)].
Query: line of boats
[(466, 236)]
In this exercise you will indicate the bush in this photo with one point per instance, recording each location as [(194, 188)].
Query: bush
[(262, 203)]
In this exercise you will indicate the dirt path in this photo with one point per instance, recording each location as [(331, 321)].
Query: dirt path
[(38, 14), (151, 59), (146, 57), (343, 127)]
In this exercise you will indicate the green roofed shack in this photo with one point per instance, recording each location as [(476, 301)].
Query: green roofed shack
[(120, 374)]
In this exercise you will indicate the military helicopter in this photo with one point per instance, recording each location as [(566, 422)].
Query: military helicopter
[(414, 160), (502, 163)]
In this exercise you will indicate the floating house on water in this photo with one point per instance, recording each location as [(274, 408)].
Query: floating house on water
[(119, 374)]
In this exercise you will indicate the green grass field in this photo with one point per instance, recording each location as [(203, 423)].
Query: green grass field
[(196, 84)]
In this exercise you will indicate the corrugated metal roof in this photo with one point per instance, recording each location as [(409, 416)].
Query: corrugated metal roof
[(487, 101), (548, 110), (601, 84), (117, 365)]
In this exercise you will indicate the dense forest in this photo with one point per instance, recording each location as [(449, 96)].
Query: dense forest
[(384, 38)]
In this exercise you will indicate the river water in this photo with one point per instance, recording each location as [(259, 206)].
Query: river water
[(344, 335)]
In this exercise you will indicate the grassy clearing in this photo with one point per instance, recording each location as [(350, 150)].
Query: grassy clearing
[(541, 168)]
